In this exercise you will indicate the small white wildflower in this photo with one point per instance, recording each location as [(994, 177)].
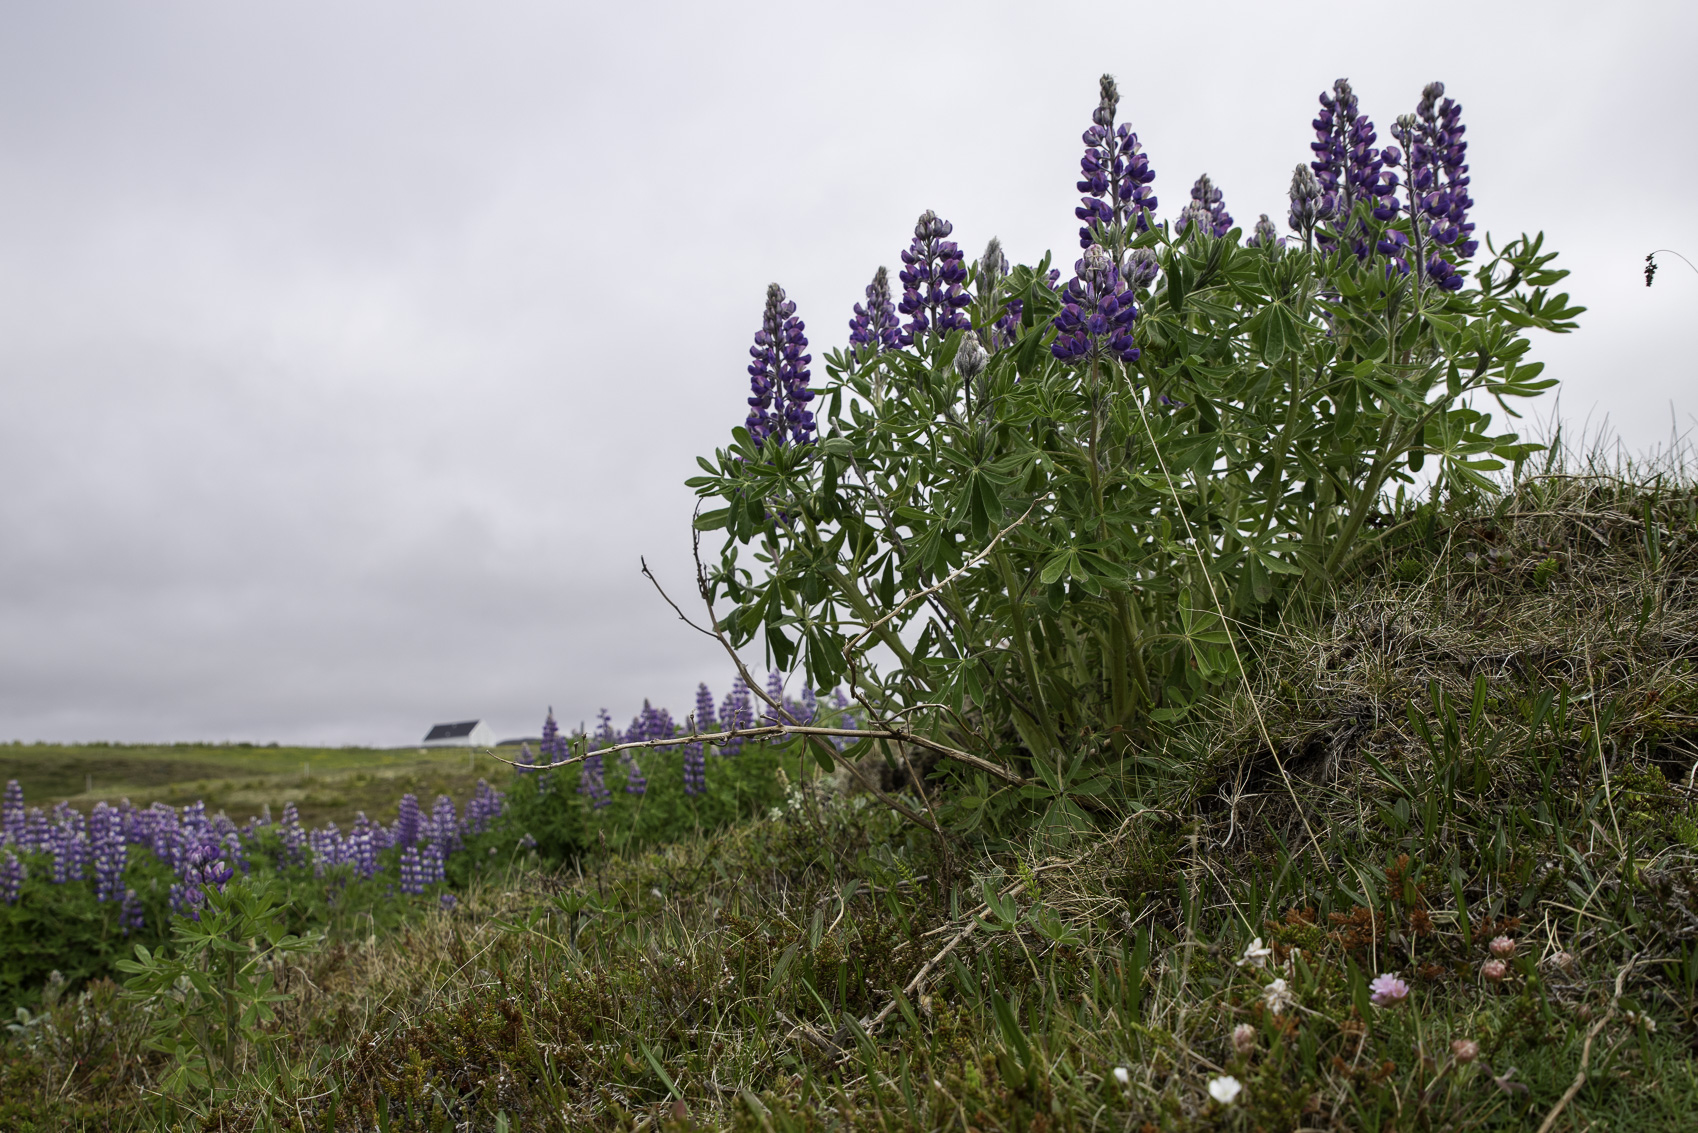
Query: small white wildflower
[(1123, 1075), (1225, 1090), (1255, 956), (1278, 996)]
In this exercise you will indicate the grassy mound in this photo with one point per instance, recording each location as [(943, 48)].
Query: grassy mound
[(1474, 770)]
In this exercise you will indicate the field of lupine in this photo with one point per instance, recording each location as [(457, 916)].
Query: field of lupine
[(79, 889), (1233, 767)]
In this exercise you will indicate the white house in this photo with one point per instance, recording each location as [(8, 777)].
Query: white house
[(467, 733)]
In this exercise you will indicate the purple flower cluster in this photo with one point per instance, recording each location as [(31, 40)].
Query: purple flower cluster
[(737, 711), (1437, 168), (591, 781), (1097, 313), (1206, 212), (932, 276), (1115, 176), (695, 755), (205, 852), (12, 874), (778, 376), (1347, 165), (875, 327)]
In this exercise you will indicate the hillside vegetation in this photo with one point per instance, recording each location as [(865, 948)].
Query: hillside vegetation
[(1491, 738)]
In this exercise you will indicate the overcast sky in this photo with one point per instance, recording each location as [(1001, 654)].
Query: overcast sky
[(352, 353)]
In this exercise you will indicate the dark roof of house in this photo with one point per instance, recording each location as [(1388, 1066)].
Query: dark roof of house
[(451, 731)]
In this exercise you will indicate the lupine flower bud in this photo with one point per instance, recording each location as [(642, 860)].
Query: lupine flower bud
[(1464, 1051), (1141, 267), (1207, 210), (1266, 235), (1243, 1038), (932, 278), (1114, 173), (778, 376), (1308, 206), (970, 357), (875, 327), (1097, 313)]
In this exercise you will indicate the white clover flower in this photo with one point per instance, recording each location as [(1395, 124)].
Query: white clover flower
[(1225, 1090), (1256, 955), (1278, 996)]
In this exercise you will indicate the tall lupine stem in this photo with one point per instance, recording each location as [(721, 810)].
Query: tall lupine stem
[(1115, 176), (932, 278), (778, 376)]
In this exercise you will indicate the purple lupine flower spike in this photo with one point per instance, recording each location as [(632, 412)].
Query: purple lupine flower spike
[(1097, 313), (1115, 176), (1438, 183), (12, 875), (778, 376), (553, 748), (407, 821), (591, 782), (131, 916), (1207, 210), (736, 712), (109, 852), (12, 826), (932, 276), (695, 755), (1346, 163), (875, 327), (774, 692)]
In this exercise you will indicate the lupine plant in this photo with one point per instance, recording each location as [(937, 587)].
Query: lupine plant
[(1051, 531), (76, 890)]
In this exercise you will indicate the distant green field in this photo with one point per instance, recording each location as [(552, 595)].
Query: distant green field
[(325, 784)]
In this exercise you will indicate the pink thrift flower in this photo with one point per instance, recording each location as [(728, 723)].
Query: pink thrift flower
[(1244, 1038), (1388, 990), (1494, 970), (1464, 1051), (1503, 947)]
